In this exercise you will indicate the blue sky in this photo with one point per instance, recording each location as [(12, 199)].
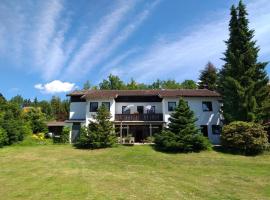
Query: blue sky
[(51, 47)]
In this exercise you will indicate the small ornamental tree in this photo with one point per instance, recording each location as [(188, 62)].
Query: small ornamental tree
[(182, 135), (99, 133), (37, 120), (245, 138)]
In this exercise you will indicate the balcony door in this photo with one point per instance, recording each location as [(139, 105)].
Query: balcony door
[(140, 109)]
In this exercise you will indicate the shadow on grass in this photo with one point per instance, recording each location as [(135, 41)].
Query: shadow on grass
[(221, 149), (161, 150)]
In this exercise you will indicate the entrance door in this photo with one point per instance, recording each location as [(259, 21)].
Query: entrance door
[(140, 109), (75, 131)]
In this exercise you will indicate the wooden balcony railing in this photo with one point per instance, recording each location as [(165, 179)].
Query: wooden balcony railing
[(139, 117)]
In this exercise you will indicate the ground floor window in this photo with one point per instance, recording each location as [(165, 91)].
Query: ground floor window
[(216, 129), (139, 132), (204, 130)]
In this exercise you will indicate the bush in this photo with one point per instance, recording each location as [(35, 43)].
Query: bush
[(36, 119), (63, 137), (171, 142), (3, 137), (35, 139), (182, 135), (245, 138)]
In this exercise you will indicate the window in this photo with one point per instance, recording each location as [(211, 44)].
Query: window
[(207, 106), (216, 129), (204, 130), (93, 106), (171, 106), (107, 105), (125, 110), (152, 110)]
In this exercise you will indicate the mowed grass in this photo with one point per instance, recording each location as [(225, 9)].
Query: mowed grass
[(139, 172)]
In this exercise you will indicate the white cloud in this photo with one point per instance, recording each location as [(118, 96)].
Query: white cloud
[(55, 86)]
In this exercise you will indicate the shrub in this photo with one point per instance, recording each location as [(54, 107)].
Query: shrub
[(35, 139), (63, 137), (36, 119), (3, 137), (171, 142), (99, 133), (182, 135), (245, 138)]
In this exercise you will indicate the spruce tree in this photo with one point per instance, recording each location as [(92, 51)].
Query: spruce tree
[(182, 135), (243, 80), (99, 133), (208, 77)]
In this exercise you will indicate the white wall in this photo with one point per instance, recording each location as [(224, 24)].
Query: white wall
[(77, 110), (89, 115), (133, 109), (80, 110), (203, 118)]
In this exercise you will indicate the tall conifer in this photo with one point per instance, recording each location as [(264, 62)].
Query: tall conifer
[(243, 80)]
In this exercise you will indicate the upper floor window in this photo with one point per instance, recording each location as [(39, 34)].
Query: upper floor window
[(125, 110), (152, 110), (107, 105), (207, 106), (171, 106), (93, 106), (216, 129)]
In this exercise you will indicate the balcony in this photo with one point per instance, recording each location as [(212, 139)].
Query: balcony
[(139, 117)]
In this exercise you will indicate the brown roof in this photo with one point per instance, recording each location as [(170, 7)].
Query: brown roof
[(160, 93)]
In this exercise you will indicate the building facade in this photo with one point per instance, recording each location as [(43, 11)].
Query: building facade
[(143, 113)]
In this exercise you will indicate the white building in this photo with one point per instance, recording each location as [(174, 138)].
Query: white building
[(142, 113)]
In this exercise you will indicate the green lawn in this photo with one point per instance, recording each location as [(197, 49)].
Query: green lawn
[(139, 172)]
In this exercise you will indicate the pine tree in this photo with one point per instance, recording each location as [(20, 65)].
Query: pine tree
[(99, 133), (182, 135), (243, 80), (208, 77)]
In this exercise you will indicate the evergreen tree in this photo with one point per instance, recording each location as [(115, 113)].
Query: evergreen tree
[(86, 85), (156, 84), (18, 99), (182, 135), (243, 80), (99, 133), (208, 77)]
